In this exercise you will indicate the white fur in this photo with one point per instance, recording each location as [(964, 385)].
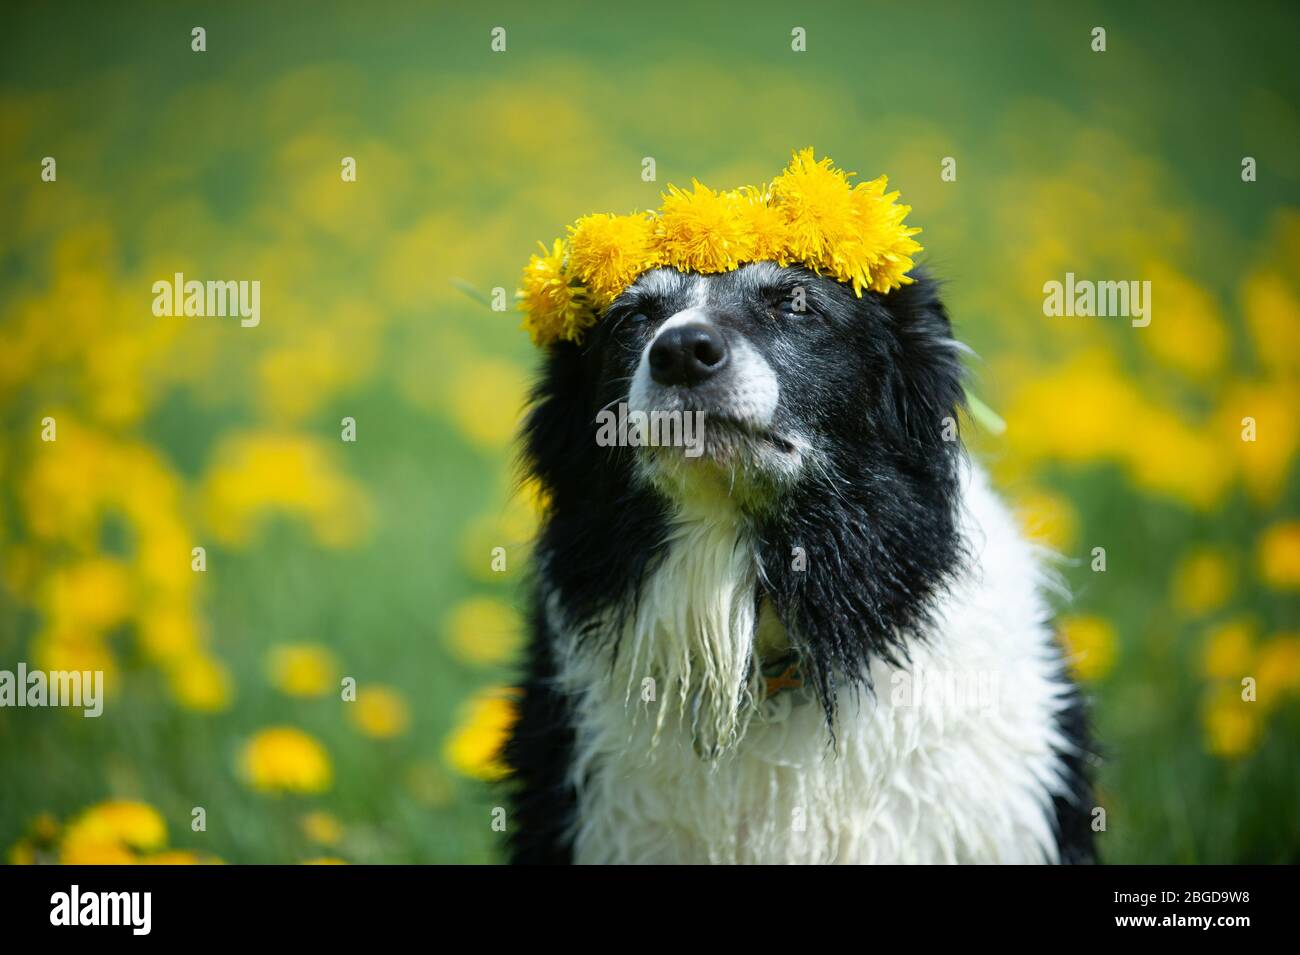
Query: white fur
[(753, 393), (707, 773)]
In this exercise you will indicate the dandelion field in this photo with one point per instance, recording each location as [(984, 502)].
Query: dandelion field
[(330, 564)]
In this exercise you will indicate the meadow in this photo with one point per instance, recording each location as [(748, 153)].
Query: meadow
[(328, 678)]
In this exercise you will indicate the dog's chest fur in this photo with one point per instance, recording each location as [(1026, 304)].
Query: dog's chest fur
[(955, 757)]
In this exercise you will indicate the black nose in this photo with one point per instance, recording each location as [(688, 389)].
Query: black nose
[(687, 354)]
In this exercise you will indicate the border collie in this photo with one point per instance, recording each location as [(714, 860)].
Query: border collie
[(821, 638)]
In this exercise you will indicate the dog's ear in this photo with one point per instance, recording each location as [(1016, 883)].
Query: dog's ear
[(599, 536), (879, 534), (924, 393), (558, 430)]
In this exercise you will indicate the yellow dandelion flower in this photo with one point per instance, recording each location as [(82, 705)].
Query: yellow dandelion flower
[(110, 833), (486, 399), (324, 860), (811, 214), (168, 632), (882, 241), (302, 669), (1090, 644), (1229, 651), (322, 827), (200, 683), (380, 712), (285, 759), (608, 252), (554, 307), (1232, 726), (1277, 667), (1278, 556), (703, 231), (1202, 581), (257, 474), (765, 223), (484, 630), (179, 857), (93, 595), (817, 203), (1196, 343), (854, 233), (76, 651), (1048, 519), (1273, 316), (474, 747), (22, 852), (96, 853), (1264, 463)]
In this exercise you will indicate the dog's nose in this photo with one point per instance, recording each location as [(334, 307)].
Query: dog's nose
[(687, 354)]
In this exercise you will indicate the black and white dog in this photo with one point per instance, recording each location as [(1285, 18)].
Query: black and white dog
[(822, 639)]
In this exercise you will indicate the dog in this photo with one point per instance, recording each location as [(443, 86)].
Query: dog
[(821, 638)]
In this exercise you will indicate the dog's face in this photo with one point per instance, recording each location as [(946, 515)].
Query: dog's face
[(760, 378), (827, 423)]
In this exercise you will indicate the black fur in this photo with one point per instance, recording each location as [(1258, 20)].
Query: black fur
[(879, 526), (1075, 840), (876, 380), (539, 754)]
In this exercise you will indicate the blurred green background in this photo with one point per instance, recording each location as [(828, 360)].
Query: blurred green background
[(372, 560)]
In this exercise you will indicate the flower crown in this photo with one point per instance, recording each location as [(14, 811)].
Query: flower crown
[(810, 214)]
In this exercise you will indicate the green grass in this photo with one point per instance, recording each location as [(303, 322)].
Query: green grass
[(467, 159)]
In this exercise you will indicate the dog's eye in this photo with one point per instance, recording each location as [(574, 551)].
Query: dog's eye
[(628, 321), (792, 306)]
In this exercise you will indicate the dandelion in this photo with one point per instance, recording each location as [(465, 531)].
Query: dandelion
[(111, 833), (179, 857), (1279, 556), (1090, 643), (474, 747), (765, 223), (810, 213), (484, 630), (1278, 667), (200, 683), (554, 307), (1202, 581), (258, 474), (854, 233), (1229, 651), (92, 595), (168, 632), (608, 252), (22, 852), (302, 669), (1232, 726), (380, 712), (703, 231), (486, 398), (285, 759), (1047, 518)]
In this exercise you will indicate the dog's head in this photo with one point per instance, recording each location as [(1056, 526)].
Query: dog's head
[(827, 420)]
